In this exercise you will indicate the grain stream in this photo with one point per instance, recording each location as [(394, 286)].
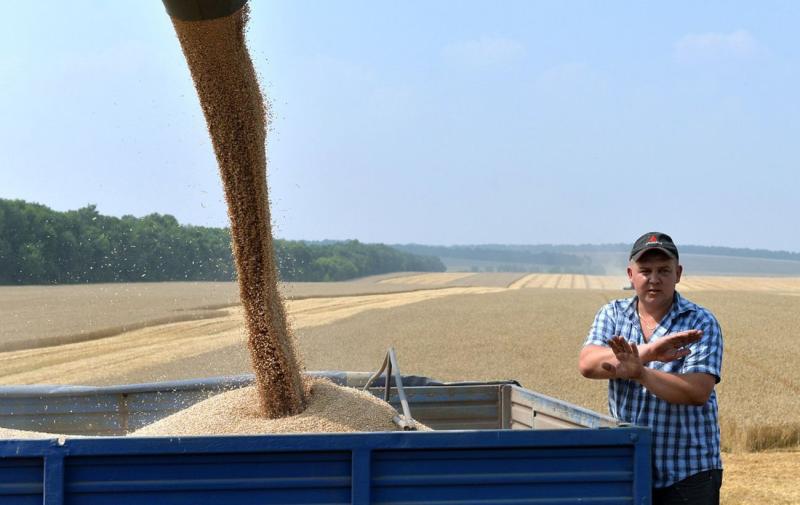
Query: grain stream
[(236, 116)]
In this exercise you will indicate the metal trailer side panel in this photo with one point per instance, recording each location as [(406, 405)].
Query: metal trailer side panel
[(117, 410), (600, 466), (526, 409)]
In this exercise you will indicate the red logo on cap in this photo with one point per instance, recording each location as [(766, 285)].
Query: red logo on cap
[(652, 239)]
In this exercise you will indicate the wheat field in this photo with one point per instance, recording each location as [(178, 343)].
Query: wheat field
[(689, 283), (427, 279), (530, 328)]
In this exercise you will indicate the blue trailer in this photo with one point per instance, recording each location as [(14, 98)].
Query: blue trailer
[(493, 443)]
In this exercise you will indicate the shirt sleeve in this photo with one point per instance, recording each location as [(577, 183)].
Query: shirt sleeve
[(706, 354), (602, 328)]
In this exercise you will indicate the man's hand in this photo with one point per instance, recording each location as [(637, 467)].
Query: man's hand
[(671, 347), (600, 362), (630, 364), (621, 360)]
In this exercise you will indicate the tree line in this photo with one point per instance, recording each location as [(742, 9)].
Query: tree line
[(497, 254), (41, 246), (623, 248)]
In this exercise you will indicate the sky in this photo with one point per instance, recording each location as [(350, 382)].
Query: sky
[(435, 122)]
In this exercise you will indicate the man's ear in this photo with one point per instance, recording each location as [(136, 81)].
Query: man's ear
[(630, 273), (679, 271)]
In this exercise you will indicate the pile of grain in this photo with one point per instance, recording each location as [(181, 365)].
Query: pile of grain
[(330, 408), (11, 434), (236, 115)]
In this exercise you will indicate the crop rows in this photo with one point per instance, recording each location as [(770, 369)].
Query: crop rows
[(530, 334)]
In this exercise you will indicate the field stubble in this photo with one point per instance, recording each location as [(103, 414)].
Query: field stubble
[(39, 316), (183, 349), (532, 335)]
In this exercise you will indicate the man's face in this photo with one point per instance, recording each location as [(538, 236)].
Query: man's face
[(654, 276)]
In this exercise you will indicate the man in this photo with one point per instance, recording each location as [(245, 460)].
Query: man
[(662, 355)]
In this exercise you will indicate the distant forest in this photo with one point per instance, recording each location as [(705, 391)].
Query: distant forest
[(566, 254), (511, 258), (738, 252), (41, 246)]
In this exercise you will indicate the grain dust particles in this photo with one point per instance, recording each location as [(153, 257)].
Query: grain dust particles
[(236, 116)]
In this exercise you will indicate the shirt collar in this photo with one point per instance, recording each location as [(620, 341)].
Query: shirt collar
[(680, 305)]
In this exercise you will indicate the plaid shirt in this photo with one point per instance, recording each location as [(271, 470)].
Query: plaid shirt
[(685, 437)]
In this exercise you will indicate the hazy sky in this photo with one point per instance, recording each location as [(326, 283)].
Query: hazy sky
[(440, 122)]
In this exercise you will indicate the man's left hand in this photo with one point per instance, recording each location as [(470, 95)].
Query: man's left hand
[(630, 364)]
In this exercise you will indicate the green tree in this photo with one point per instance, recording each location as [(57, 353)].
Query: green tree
[(42, 246)]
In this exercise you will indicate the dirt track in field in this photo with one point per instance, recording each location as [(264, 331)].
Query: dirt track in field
[(569, 281), (427, 279), (92, 361), (157, 346), (782, 285)]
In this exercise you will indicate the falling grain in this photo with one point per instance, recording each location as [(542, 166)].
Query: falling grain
[(236, 115)]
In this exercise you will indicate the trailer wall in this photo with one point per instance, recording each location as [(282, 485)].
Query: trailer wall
[(599, 466)]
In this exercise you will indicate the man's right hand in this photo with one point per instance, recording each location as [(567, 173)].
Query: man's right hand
[(667, 348), (670, 347)]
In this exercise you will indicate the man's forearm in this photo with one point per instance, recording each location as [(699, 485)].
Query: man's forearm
[(593, 357), (681, 389)]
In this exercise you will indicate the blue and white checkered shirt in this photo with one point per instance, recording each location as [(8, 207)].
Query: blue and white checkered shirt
[(685, 437)]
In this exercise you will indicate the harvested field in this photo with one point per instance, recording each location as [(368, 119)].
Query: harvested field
[(569, 281), (126, 357), (320, 311), (782, 285), (534, 336), (763, 478), (396, 283), (689, 283), (300, 290), (37, 316), (499, 279), (34, 316), (427, 279), (451, 279), (760, 380), (530, 334)]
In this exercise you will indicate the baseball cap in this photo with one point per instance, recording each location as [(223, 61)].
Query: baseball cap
[(654, 240)]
